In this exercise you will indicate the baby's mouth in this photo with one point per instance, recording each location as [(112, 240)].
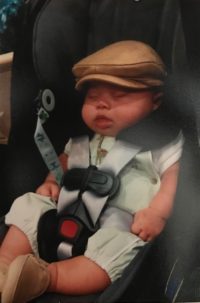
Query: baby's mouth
[(103, 121)]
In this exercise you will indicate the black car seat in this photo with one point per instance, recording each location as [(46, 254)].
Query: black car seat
[(183, 284), (56, 34)]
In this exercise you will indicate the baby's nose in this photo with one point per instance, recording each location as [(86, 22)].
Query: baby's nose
[(103, 103)]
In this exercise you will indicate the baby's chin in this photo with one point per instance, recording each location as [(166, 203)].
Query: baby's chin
[(110, 132), (106, 132)]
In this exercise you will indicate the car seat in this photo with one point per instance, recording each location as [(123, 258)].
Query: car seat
[(55, 36), (183, 284)]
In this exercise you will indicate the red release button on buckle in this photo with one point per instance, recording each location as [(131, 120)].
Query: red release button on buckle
[(69, 229)]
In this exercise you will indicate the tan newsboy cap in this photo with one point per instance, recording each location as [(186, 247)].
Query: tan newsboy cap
[(130, 64)]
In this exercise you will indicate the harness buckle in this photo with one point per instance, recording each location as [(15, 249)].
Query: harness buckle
[(100, 182)]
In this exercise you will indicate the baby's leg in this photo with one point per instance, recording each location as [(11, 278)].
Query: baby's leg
[(28, 277), (24, 215), (21, 237), (82, 275), (113, 246), (15, 243), (78, 275)]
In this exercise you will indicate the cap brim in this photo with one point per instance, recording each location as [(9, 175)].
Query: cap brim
[(134, 84)]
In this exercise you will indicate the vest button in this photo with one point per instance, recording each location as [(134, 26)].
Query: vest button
[(154, 180)]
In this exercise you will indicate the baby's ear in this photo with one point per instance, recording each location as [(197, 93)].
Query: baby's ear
[(157, 100)]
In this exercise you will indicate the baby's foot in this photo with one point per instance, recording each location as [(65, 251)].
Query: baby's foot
[(27, 278)]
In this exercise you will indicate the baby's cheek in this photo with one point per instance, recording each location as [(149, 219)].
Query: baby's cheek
[(86, 113)]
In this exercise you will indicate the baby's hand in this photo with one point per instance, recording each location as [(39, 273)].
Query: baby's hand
[(147, 224), (49, 189)]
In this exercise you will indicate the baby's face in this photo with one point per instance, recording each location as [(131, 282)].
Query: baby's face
[(108, 109)]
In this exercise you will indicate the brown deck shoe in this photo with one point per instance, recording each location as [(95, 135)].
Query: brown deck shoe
[(27, 278), (3, 273)]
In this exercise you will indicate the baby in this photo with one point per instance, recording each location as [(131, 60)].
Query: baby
[(123, 85)]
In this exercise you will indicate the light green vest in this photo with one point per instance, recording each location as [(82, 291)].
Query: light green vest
[(139, 179)]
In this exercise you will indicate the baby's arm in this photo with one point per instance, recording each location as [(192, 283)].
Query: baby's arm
[(50, 188), (150, 221)]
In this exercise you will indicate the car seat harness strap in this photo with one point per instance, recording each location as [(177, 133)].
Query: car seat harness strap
[(85, 191), (46, 105)]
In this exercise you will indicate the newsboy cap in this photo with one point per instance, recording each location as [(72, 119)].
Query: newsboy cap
[(130, 64)]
